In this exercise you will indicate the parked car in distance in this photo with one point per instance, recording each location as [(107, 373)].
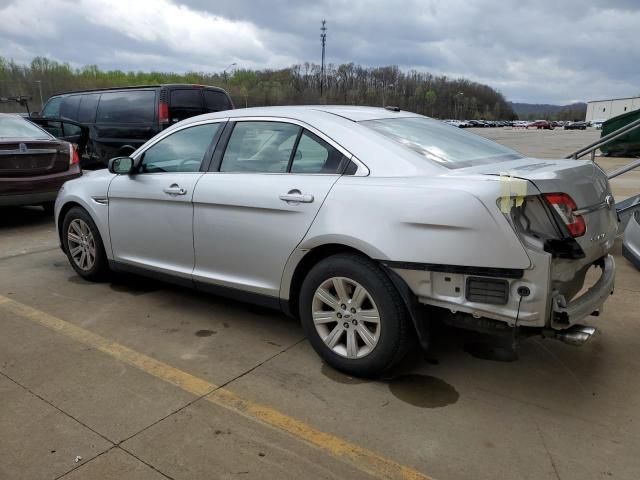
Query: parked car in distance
[(352, 219), (575, 126), (541, 125), (33, 163), (597, 124), (477, 124), (121, 119), (457, 123)]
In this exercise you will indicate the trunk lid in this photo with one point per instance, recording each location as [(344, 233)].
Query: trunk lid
[(583, 181), (26, 158)]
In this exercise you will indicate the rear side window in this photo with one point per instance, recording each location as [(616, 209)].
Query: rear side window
[(52, 108), (88, 106), (216, 101), (69, 107), (314, 155), (127, 107)]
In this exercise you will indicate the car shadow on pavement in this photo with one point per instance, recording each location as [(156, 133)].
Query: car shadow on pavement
[(13, 217)]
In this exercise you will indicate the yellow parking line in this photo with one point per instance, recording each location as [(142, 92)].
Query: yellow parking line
[(363, 459)]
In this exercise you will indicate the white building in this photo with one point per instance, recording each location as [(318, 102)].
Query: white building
[(605, 109)]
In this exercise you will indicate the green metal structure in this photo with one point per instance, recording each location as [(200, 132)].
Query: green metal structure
[(627, 144)]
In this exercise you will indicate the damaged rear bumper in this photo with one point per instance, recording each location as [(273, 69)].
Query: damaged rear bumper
[(566, 314)]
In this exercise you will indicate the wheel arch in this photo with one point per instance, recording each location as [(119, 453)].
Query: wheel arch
[(62, 214), (99, 219), (310, 258)]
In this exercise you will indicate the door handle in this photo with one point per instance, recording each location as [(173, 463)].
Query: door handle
[(175, 189), (296, 196)]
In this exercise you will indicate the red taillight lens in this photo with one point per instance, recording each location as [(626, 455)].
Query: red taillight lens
[(564, 206), (74, 158), (163, 113)]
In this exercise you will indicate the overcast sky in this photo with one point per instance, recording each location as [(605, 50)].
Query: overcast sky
[(540, 51)]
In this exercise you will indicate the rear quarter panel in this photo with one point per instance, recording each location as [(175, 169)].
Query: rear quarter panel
[(426, 220)]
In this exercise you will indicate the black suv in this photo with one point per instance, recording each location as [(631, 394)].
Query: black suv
[(116, 121)]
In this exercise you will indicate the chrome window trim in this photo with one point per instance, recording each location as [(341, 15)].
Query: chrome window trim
[(362, 170)]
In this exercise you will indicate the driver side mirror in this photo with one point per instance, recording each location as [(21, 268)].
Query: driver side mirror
[(122, 165)]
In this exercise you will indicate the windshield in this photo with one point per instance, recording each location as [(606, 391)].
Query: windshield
[(15, 127), (442, 143)]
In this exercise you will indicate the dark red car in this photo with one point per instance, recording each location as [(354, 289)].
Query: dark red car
[(33, 163), (541, 124)]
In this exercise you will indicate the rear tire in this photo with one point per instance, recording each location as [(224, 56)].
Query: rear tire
[(353, 316), (83, 245)]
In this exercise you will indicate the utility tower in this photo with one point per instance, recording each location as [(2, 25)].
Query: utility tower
[(323, 38)]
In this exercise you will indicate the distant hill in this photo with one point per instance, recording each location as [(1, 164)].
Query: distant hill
[(534, 111)]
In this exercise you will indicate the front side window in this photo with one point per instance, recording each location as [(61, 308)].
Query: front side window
[(69, 107), (52, 108), (314, 155), (260, 147), (182, 151), (442, 143), (127, 107)]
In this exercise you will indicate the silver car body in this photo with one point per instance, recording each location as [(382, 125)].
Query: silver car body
[(631, 245), (434, 226)]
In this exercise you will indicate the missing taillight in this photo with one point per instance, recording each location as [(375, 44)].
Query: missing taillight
[(565, 206)]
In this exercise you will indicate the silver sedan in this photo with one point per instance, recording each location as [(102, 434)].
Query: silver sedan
[(354, 220)]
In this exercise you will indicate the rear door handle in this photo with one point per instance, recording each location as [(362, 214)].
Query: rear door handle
[(296, 196), (175, 189)]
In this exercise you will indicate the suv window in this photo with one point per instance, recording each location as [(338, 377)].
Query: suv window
[(127, 107), (52, 108), (182, 151), (259, 147), (88, 106), (314, 155), (69, 107), (216, 101)]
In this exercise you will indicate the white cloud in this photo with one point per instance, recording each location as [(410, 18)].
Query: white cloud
[(547, 51)]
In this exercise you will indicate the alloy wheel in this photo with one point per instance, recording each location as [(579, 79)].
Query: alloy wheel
[(81, 244), (346, 317)]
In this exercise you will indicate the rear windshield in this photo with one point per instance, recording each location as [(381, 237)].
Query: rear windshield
[(442, 143), (127, 107), (15, 127), (216, 101)]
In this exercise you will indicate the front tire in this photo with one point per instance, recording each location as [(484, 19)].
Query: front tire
[(83, 245), (353, 315)]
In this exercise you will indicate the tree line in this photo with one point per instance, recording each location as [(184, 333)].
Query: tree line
[(346, 84)]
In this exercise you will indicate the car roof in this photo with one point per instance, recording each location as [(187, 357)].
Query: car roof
[(140, 87), (340, 124), (302, 112)]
